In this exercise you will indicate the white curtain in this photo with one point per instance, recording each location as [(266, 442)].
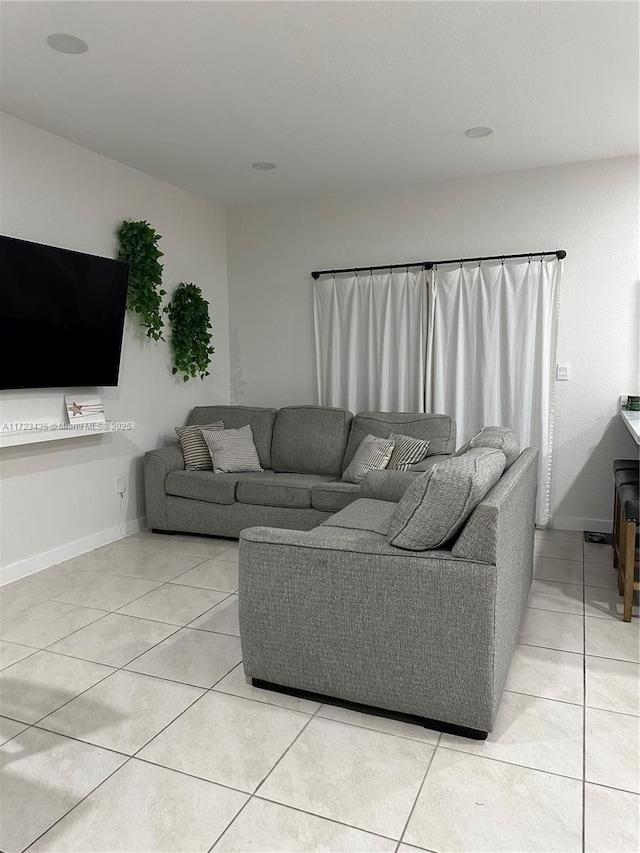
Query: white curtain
[(370, 333), (491, 352)]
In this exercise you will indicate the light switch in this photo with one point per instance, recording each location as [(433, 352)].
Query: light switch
[(563, 372)]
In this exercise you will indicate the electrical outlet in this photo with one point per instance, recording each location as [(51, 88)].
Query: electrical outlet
[(121, 485)]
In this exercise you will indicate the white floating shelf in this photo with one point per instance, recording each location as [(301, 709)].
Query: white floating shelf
[(58, 432)]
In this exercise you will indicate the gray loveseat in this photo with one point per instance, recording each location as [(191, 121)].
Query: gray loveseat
[(304, 451), (339, 611)]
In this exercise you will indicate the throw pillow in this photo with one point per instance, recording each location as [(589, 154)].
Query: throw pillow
[(407, 452), (194, 447), (500, 438), (232, 450), (438, 502), (372, 454)]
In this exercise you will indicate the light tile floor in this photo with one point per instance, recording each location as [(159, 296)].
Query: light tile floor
[(126, 723)]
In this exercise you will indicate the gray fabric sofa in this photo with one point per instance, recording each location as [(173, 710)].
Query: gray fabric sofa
[(304, 451), (340, 612)]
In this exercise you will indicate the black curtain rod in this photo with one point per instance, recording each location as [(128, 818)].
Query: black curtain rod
[(427, 265)]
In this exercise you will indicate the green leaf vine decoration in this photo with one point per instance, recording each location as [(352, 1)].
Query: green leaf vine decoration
[(190, 336), (139, 248)]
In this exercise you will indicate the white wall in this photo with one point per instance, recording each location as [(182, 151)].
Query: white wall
[(589, 209), (58, 499)]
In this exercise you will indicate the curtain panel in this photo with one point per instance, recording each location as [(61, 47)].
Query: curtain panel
[(370, 334), (491, 353)]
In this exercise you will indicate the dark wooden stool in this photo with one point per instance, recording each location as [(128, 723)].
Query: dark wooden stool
[(628, 516), (624, 471)]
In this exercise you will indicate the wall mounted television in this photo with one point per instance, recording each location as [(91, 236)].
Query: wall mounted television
[(61, 316)]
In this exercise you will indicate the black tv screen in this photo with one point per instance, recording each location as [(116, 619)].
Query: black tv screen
[(61, 316)]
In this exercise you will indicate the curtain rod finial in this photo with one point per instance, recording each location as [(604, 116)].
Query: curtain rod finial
[(561, 254), (315, 274)]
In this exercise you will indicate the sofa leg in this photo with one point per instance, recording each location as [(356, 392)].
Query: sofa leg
[(451, 729)]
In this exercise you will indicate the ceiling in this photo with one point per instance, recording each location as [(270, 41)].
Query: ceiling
[(340, 95)]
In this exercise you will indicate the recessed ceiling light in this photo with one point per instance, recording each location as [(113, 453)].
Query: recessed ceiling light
[(263, 167), (66, 43), (478, 132)]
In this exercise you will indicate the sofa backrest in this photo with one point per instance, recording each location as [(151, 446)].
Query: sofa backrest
[(260, 420), (310, 440), (440, 430)]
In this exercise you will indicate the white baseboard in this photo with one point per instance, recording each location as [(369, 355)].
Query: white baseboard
[(566, 522), (15, 571)]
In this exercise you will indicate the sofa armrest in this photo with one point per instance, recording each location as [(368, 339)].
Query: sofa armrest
[(169, 457), (351, 616), (326, 539), (157, 464), (386, 485)]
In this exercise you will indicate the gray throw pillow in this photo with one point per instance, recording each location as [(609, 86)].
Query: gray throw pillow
[(437, 503), (373, 454), (500, 438), (232, 450), (194, 447)]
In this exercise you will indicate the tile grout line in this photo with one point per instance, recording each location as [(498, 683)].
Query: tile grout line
[(584, 707), (564, 612), (572, 651), (380, 731), (124, 763), (323, 817), (451, 748), (75, 805), (78, 740), (31, 654), (231, 822), (114, 669), (417, 797), (262, 781), (258, 786), (204, 690), (41, 572), (137, 550), (545, 698)]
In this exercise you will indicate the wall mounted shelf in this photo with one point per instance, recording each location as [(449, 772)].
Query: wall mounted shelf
[(57, 432)]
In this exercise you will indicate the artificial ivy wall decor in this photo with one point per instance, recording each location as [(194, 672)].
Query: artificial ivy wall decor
[(190, 331), (139, 248)]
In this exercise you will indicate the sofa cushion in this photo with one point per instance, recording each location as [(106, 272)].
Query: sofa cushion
[(437, 503), (334, 495), (278, 489), (260, 420), (232, 450), (372, 455), (364, 514), (194, 447), (204, 485), (310, 440), (439, 430), (500, 438)]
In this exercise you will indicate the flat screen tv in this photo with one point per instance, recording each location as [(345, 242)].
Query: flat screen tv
[(61, 316)]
